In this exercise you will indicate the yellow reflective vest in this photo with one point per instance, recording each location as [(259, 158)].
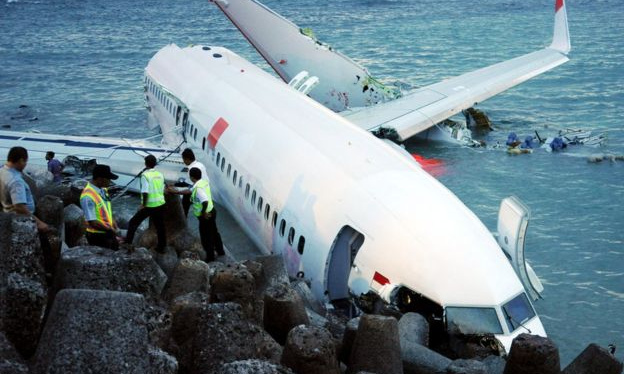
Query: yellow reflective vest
[(103, 209), (197, 205), (155, 188)]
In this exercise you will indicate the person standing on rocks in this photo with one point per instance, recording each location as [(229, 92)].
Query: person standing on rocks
[(15, 194), (203, 209), (96, 204), (152, 203), (54, 166), (188, 157)]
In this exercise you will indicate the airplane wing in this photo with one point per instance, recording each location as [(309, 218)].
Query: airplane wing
[(290, 50), (344, 85)]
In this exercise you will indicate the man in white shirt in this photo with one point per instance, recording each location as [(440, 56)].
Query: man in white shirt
[(188, 157)]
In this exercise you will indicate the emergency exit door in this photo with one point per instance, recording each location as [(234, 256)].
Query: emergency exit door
[(341, 257)]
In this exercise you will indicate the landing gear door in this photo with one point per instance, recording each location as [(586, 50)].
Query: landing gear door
[(513, 220)]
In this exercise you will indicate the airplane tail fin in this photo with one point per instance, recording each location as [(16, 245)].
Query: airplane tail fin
[(561, 35)]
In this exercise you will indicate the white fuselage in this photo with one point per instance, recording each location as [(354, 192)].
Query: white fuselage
[(296, 176)]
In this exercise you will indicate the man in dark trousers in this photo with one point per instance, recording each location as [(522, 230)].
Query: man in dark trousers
[(203, 209), (152, 203), (96, 204)]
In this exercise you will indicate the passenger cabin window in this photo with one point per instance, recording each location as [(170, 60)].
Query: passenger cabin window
[(229, 169), (234, 178), (223, 164), (253, 198), (291, 236), (247, 190), (240, 182), (260, 202), (203, 143), (282, 228), (195, 134), (301, 245), (274, 219), (267, 210), (218, 158)]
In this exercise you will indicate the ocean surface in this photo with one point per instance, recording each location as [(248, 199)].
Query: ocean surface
[(78, 66)]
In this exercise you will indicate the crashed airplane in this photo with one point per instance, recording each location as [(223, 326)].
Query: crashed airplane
[(353, 215)]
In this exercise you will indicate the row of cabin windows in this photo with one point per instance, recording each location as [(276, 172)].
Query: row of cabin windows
[(257, 201), (161, 96)]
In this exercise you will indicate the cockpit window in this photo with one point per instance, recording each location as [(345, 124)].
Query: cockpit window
[(468, 320), (518, 311)]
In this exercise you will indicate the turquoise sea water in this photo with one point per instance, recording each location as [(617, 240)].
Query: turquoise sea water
[(78, 66)]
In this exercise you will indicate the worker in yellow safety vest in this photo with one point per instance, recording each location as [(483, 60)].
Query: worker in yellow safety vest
[(96, 204), (152, 204), (203, 209)]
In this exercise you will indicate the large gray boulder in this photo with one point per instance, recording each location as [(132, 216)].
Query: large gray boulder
[(252, 366), (50, 211), (222, 334), (91, 331), (310, 350), (104, 269), (62, 191), (418, 359), (531, 354), (463, 366), (283, 310), (10, 361), (236, 284), (273, 272), (376, 347), (25, 302), (23, 289), (594, 359), (74, 225), (188, 276), (413, 328), (179, 236)]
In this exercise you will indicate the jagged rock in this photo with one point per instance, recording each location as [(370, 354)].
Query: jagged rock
[(39, 175), (76, 188), (531, 354), (188, 276), (50, 211), (89, 329), (158, 321), (463, 366), (20, 248), (594, 359), (413, 328), (223, 335), (474, 346), (310, 350), (494, 364), (161, 362), (348, 338), (185, 315), (283, 310), (105, 269), (10, 361), (23, 290), (74, 225), (256, 269), (273, 272), (252, 366), (309, 300), (178, 234), (376, 347), (23, 312), (234, 283), (167, 261), (418, 359), (62, 191)]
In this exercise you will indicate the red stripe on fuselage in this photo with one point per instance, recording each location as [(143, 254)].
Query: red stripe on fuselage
[(216, 131), (558, 5)]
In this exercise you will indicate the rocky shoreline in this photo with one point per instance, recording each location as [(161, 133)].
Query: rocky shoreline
[(73, 308)]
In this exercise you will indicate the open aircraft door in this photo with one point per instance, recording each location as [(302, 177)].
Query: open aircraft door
[(513, 220)]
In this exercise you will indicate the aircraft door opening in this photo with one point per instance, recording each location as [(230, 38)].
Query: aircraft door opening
[(341, 256)]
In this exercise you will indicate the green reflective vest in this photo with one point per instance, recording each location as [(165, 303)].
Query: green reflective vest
[(155, 188), (197, 205)]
